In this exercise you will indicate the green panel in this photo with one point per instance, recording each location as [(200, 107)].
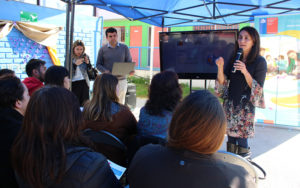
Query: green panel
[(189, 28), (144, 58), (127, 24), (145, 34), (243, 25)]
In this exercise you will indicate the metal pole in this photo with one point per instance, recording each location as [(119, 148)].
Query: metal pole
[(151, 52), (214, 9), (162, 24), (71, 40), (67, 35)]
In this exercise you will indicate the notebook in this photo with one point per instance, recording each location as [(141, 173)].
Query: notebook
[(122, 68)]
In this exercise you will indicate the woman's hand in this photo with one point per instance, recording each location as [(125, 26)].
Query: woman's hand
[(79, 61), (220, 62), (241, 66), (220, 65)]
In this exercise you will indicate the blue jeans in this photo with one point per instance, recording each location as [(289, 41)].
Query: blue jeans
[(243, 142)]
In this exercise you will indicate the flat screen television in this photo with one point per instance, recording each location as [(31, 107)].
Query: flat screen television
[(192, 54)]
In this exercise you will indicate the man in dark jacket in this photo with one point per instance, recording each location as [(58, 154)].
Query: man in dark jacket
[(13, 102), (35, 69)]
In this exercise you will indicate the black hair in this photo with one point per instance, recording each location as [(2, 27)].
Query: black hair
[(110, 30), (11, 90), (254, 52), (33, 64), (4, 72), (55, 75)]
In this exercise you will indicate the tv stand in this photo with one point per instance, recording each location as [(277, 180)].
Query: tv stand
[(191, 88)]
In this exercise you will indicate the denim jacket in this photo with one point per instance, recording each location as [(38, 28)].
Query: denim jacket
[(83, 68)]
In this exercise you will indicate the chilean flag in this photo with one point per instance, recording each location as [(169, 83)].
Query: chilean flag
[(268, 25)]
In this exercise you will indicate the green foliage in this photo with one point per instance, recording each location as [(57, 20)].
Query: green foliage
[(142, 85)]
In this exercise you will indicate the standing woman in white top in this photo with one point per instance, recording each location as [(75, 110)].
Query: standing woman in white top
[(80, 79)]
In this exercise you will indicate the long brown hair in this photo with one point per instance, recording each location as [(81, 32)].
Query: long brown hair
[(198, 124), (75, 44), (52, 121), (104, 93)]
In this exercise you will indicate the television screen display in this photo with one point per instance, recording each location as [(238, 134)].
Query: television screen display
[(192, 54)]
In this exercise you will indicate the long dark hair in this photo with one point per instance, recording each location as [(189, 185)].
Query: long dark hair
[(198, 124), (52, 121), (254, 52), (164, 93), (104, 93)]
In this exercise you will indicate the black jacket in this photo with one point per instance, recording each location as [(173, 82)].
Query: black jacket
[(160, 167), (84, 168), (11, 121)]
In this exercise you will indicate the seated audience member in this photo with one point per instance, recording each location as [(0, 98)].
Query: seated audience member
[(164, 94), (50, 150), (57, 76), (35, 69), (104, 112), (196, 132), (13, 103), (6, 72)]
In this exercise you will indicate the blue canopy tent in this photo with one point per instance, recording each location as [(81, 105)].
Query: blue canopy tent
[(168, 13)]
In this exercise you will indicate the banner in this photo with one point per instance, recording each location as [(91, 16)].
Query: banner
[(280, 45)]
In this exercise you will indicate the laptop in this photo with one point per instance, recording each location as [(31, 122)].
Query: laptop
[(122, 68)]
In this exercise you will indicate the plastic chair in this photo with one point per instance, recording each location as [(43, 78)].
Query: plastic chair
[(238, 160), (140, 141), (109, 145)]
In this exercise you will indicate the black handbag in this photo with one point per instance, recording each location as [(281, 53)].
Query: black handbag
[(92, 72)]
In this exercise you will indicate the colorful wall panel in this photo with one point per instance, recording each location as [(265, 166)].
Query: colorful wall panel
[(280, 45)]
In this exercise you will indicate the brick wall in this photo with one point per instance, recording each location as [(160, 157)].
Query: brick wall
[(16, 50)]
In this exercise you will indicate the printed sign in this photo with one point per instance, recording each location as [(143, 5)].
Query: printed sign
[(28, 16)]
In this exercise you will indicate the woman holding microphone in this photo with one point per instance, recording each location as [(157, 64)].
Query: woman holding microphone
[(241, 87)]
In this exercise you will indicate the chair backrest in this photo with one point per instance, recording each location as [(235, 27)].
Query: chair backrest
[(142, 140), (104, 137), (237, 160)]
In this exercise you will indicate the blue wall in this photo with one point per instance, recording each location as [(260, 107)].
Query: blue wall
[(16, 49)]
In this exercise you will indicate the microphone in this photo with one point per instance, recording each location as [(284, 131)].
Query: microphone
[(238, 57)]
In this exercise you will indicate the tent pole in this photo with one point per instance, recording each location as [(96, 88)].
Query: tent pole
[(162, 24), (214, 9), (67, 34), (71, 40), (151, 52)]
